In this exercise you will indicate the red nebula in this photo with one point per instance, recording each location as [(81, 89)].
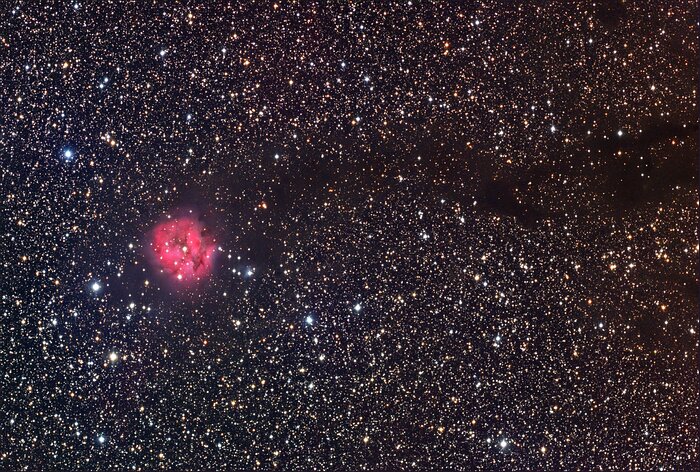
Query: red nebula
[(182, 249)]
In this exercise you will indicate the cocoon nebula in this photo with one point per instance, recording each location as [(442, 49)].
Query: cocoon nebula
[(182, 249)]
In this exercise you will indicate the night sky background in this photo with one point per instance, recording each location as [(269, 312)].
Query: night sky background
[(444, 235)]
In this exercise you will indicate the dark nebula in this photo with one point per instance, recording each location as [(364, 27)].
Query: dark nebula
[(349, 235)]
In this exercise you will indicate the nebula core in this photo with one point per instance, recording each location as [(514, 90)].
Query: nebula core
[(182, 250)]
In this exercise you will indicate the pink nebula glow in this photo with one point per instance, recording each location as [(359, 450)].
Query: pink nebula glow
[(182, 250)]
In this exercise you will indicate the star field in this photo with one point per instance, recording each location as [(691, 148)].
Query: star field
[(348, 236)]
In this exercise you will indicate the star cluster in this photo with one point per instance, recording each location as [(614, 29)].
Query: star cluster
[(424, 235)]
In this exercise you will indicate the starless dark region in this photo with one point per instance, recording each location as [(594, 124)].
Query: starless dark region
[(344, 236)]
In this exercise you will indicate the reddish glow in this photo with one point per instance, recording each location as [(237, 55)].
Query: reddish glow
[(182, 249)]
